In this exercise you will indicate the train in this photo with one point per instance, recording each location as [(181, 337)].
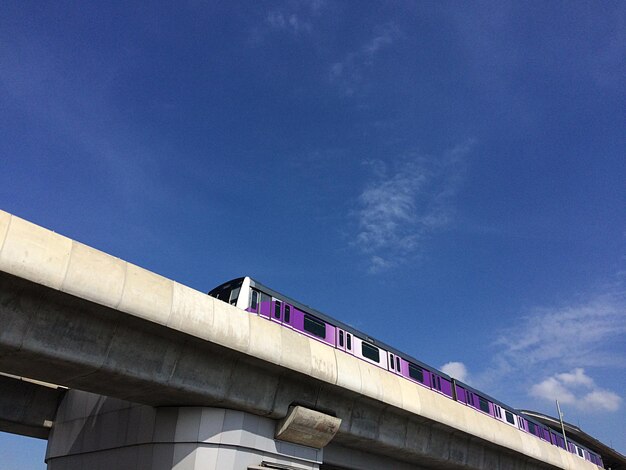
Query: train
[(257, 299)]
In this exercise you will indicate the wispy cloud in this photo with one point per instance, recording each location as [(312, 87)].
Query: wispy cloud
[(280, 20), (295, 18), (403, 202), (575, 335), (577, 389), (349, 73), (581, 337)]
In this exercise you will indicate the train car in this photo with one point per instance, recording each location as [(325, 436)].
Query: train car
[(256, 298), (252, 296)]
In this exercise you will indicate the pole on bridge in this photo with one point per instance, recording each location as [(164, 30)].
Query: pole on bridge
[(558, 408)]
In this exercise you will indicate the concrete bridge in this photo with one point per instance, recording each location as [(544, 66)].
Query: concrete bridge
[(165, 377)]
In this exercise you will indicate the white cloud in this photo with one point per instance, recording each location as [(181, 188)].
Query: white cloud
[(601, 399), (552, 389), (575, 377), (293, 17), (349, 72), (456, 370), (404, 202), (385, 35), (578, 335), (554, 352), (280, 20), (577, 389)]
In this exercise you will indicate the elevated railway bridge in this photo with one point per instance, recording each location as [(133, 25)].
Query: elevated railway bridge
[(151, 374)]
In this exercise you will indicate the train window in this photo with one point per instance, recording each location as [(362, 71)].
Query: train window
[(580, 451), (349, 341), (222, 292), (255, 300), (341, 339), (287, 313), (233, 296), (483, 405), (416, 373), (370, 352), (277, 309), (531, 427), (397, 363), (391, 362), (314, 326), (509, 417), (223, 295)]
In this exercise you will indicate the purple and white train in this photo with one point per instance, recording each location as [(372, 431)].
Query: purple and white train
[(256, 298)]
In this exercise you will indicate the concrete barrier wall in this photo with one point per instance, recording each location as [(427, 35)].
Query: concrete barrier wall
[(44, 257)]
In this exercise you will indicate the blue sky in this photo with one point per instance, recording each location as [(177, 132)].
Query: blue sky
[(447, 177)]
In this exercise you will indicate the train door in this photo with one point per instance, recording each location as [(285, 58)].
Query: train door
[(343, 340), (469, 399), (281, 312), (435, 382), (497, 411), (340, 340), (287, 314), (265, 305), (276, 311), (394, 364)]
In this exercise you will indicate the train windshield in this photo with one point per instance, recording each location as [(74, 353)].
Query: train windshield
[(228, 292)]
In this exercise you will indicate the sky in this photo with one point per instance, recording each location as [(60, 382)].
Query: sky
[(448, 177)]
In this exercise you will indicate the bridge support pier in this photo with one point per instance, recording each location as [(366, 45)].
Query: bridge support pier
[(97, 432)]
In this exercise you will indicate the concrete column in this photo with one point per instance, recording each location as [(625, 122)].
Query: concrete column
[(96, 432)]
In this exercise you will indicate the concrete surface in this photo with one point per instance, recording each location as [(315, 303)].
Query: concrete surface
[(95, 432), (307, 427), (28, 408)]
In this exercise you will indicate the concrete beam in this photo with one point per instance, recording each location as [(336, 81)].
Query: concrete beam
[(27, 408), (76, 316)]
